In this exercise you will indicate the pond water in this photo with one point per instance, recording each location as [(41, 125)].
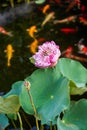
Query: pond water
[(18, 22), (23, 18)]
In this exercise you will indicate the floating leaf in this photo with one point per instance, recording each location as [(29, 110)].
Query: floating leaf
[(76, 116), (66, 126), (73, 70), (50, 93), (3, 121), (39, 1), (9, 105), (75, 90)]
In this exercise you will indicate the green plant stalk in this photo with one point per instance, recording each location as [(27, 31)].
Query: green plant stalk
[(50, 125), (42, 127), (54, 127), (12, 3), (35, 112), (27, 121), (20, 120), (13, 124), (28, 1)]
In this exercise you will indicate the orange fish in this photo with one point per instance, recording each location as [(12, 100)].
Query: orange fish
[(33, 46), (68, 30), (83, 20), (45, 8), (3, 31), (32, 30), (48, 18), (82, 48), (72, 4), (82, 59), (9, 53), (68, 52), (66, 20)]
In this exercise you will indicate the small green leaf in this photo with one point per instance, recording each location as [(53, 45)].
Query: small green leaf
[(3, 121), (75, 90), (12, 116), (32, 60), (76, 115), (9, 105), (62, 125), (39, 1)]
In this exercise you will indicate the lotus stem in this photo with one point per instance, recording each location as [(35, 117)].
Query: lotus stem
[(27, 85), (54, 127), (13, 124), (42, 127), (51, 125), (27, 120), (12, 3), (35, 112), (20, 120)]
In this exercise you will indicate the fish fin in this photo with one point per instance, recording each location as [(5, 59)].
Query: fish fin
[(8, 64)]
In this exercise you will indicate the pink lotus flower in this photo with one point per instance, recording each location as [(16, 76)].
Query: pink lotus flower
[(47, 55)]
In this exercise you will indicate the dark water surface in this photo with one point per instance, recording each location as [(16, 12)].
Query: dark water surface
[(17, 20)]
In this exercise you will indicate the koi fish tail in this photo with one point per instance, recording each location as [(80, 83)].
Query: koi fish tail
[(8, 63)]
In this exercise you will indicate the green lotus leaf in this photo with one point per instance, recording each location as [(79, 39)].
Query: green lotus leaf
[(3, 121), (62, 125), (73, 70), (9, 105), (39, 1), (50, 94), (76, 115)]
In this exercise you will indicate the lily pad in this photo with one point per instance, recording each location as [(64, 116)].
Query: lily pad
[(9, 105), (50, 94), (75, 116)]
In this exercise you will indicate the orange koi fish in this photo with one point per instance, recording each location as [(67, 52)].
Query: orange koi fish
[(48, 18), (33, 46), (3, 31), (68, 30), (83, 20), (72, 4), (45, 8), (82, 48), (69, 54), (66, 20), (32, 30), (9, 53), (82, 59)]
